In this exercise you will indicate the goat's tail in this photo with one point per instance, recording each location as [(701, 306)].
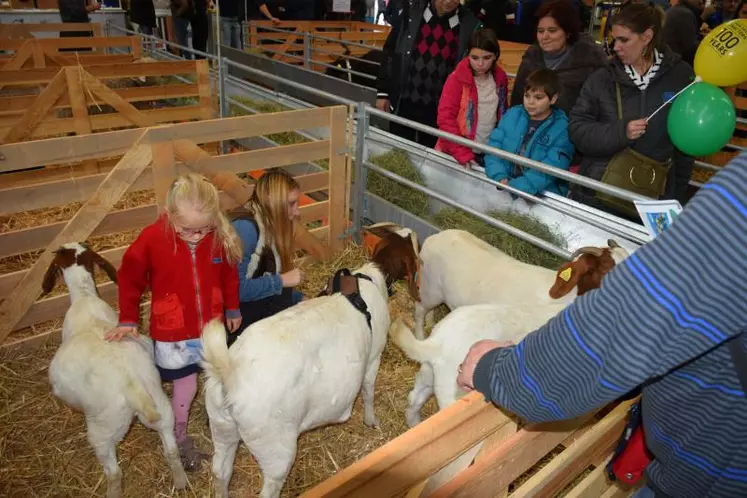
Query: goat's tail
[(420, 351), (215, 359), (140, 400)]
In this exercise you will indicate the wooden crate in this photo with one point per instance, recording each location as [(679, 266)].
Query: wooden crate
[(404, 466), (151, 157), (39, 53)]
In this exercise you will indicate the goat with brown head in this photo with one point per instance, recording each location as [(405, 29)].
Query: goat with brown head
[(76, 260), (396, 253), (586, 269)]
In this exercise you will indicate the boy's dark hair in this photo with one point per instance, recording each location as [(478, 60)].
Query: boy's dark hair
[(545, 80), (485, 39)]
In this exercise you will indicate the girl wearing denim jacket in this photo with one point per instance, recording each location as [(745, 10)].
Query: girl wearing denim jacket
[(265, 226)]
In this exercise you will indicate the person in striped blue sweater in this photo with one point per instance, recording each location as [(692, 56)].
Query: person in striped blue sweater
[(663, 320)]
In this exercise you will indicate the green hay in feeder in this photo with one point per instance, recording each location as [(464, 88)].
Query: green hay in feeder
[(264, 107), (513, 246), (398, 163)]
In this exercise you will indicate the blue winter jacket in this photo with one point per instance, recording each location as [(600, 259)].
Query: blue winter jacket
[(254, 289), (549, 145)]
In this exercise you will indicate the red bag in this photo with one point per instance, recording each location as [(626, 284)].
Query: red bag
[(631, 456)]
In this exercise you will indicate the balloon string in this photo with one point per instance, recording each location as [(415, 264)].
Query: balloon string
[(697, 79)]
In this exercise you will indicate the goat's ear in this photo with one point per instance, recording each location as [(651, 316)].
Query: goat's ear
[(105, 265), (411, 268), (50, 277), (569, 275)]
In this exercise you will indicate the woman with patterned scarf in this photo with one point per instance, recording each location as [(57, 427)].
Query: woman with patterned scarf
[(610, 114)]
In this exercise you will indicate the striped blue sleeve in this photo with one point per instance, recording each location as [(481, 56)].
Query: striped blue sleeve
[(674, 299)]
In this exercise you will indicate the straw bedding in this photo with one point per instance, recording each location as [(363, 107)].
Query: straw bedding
[(44, 452)]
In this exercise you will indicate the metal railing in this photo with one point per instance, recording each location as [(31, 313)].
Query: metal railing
[(363, 131)]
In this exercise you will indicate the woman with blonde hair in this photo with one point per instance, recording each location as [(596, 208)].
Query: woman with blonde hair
[(188, 258), (266, 226)]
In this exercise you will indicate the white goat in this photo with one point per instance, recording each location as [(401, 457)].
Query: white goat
[(109, 381), (459, 269), (446, 347), (299, 369)]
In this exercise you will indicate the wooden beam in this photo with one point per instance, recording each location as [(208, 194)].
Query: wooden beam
[(111, 120), (593, 485), (77, 98), (164, 171), (31, 239), (500, 467), (559, 472), (204, 90), (18, 104), (338, 190), (30, 77), (80, 188), (20, 57), (107, 144), (78, 228), (66, 149), (418, 453), (39, 109)]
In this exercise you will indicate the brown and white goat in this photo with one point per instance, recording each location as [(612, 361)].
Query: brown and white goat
[(459, 269), (109, 381)]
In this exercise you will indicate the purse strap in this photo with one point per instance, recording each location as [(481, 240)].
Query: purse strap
[(619, 101), (739, 357)]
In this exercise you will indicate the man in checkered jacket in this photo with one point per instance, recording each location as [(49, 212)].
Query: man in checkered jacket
[(427, 40)]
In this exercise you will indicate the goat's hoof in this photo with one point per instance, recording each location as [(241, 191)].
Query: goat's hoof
[(372, 422), (412, 419)]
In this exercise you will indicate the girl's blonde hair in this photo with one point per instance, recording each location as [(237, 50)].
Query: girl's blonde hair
[(197, 191), (270, 201)]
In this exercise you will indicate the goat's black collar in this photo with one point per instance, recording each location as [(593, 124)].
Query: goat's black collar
[(353, 295)]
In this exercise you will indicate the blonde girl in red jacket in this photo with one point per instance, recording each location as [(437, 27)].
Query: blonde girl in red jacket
[(474, 98), (188, 258)]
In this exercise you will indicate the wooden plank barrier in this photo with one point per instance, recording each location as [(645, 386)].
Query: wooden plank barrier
[(289, 47), (27, 30), (43, 52), (153, 156), (83, 90), (399, 467)]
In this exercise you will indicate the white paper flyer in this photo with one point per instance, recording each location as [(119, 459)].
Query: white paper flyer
[(657, 216)]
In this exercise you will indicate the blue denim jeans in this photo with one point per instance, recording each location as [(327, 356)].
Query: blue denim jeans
[(230, 31), (644, 492), (181, 26)]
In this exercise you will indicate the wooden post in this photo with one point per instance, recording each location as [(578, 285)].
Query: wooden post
[(79, 228), (81, 119), (338, 190), (164, 171)]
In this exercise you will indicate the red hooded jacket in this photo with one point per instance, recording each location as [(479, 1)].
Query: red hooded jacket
[(457, 109), (186, 291)]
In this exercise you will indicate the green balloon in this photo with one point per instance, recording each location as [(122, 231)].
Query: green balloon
[(702, 120)]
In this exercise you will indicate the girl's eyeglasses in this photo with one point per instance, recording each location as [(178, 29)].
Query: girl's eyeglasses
[(197, 231)]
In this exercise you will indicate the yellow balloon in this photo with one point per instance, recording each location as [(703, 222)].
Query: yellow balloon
[(721, 58)]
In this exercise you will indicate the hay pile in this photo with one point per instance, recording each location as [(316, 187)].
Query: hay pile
[(45, 452), (265, 107), (397, 162)]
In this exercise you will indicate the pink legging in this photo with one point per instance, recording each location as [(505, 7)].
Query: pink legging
[(184, 393)]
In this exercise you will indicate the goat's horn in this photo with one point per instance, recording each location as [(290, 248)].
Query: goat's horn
[(613, 244), (596, 251)]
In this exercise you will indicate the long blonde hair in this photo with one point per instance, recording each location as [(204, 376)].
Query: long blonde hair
[(270, 201), (197, 191)]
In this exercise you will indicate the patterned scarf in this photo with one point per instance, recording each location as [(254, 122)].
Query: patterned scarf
[(642, 80)]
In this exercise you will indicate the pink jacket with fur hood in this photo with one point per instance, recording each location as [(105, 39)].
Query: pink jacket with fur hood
[(457, 109)]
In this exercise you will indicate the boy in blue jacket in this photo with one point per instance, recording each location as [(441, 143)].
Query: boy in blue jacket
[(536, 130)]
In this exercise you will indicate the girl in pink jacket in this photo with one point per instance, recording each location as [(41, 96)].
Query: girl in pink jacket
[(474, 98)]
